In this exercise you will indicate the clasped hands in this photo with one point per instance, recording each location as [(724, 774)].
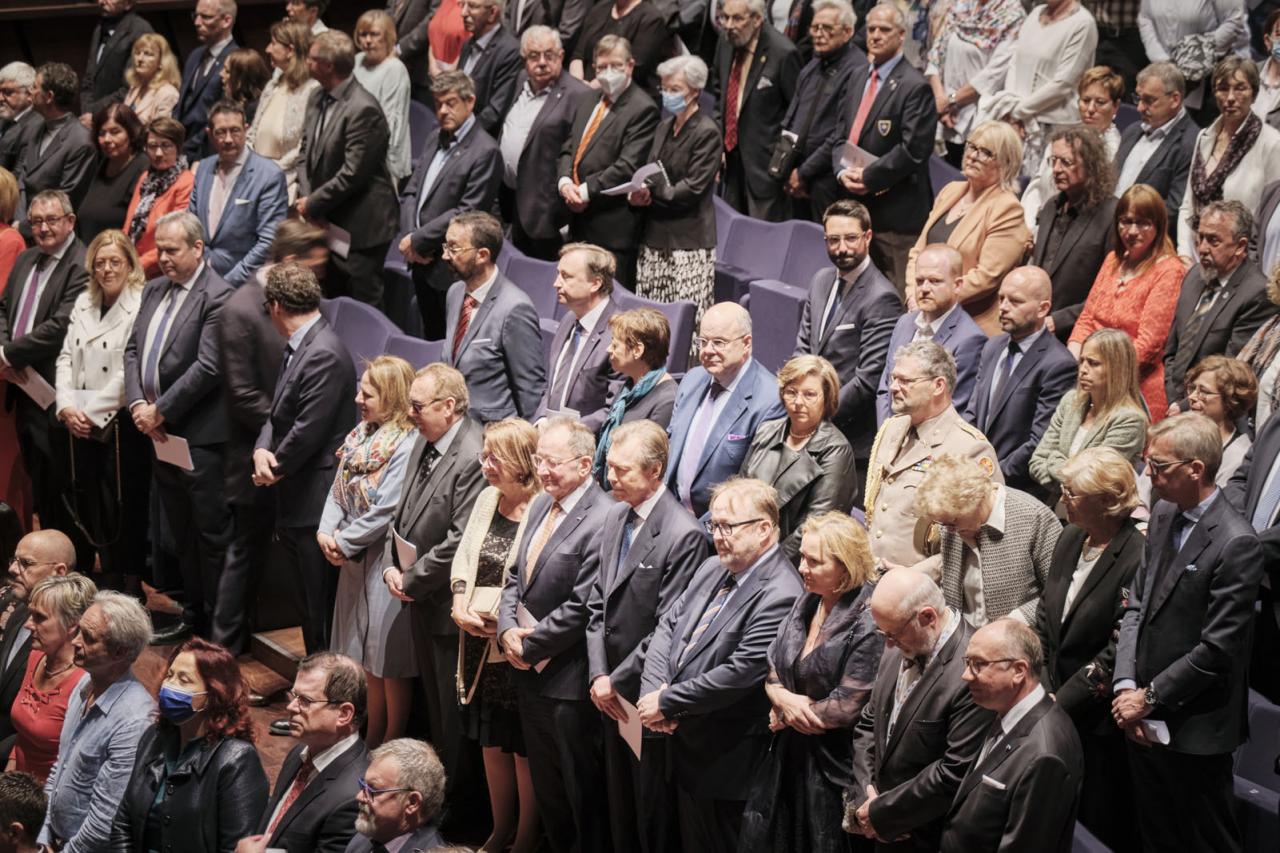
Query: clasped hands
[(651, 716), (264, 468), (1128, 709)]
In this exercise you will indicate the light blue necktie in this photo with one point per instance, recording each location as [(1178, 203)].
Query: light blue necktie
[(1267, 504), (151, 370)]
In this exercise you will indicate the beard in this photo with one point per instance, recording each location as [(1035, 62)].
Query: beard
[(846, 262), (364, 822)]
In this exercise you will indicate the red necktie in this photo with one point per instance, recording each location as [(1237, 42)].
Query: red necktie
[(464, 322), (305, 772), (864, 108), (732, 100)]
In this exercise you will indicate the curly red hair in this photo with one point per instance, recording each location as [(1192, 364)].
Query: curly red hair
[(227, 708)]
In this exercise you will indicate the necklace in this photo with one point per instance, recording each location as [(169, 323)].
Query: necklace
[(798, 436), (50, 673)]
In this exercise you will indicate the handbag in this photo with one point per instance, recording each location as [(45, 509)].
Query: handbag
[(485, 601)]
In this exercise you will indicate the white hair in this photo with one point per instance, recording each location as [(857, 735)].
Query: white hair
[(18, 72), (899, 19), (691, 67), (847, 16), (538, 32)]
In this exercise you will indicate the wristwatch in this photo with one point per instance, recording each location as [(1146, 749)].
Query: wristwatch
[(951, 99), (1149, 696), (458, 587)]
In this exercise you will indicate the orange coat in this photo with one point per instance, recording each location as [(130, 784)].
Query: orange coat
[(175, 198)]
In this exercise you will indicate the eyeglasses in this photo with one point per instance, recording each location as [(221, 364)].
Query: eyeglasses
[(834, 240), (1161, 467), (372, 792), (108, 264), (790, 395), (1069, 495), (902, 381), (894, 634), (161, 145), (977, 665), (25, 564), (716, 344), (1064, 162), (551, 464), (982, 155), (727, 528), (1136, 224), (488, 458), (39, 222), (825, 29), (1202, 392), (417, 406), (548, 55), (451, 249), (305, 702)]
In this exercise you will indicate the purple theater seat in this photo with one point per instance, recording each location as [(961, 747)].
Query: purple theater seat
[(398, 293), (806, 253), (755, 249), (422, 124), (364, 330), (549, 326), (775, 309), (416, 351), (1084, 841), (1257, 787), (537, 278), (941, 173), (506, 255), (679, 316), (1126, 115), (329, 310)]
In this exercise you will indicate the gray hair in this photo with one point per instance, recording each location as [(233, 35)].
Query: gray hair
[(582, 441), (66, 596), (1192, 436), (922, 593), (691, 67), (419, 770), (1170, 77), (457, 82), (898, 17), (848, 17), (1241, 217), (755, 7), (1019, 642), (128, 624), (18, 72), (934, 360), (538, 32), (57, 196), (192, 230)]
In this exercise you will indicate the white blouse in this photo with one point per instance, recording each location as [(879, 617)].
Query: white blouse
[(1045, 64), (1260, 166)]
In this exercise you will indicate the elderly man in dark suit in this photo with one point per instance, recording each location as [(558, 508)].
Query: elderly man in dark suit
[(1157, 151), (649, 549), (56, 153), (1223, 301), (343, 180), (610, 139), (17, 84), (459, 171), (534, 130), (1181, 660), (311, 413), (172, 388), (755, 70), (412, 819), (706, 664), (412, 46), (428, 522), (1022, 375), (492, 333), (921, 728), (1022, 790), (491, 57), (201, 77), (35, 311), (110, 52), (542, 629)]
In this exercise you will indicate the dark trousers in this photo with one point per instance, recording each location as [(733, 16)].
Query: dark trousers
[(564, 740), (641, 806), (626, 269), (1122, 51), (199, 522), (734, 190), (38, 434), (431, 300), (316, 583), (889, 253), (251, 528), (358, 275), (544, 249), (1106, 803), (708, 826), (438, 671), (1183, 802)]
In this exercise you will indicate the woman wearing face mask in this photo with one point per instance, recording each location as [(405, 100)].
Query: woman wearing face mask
[(197, 784)]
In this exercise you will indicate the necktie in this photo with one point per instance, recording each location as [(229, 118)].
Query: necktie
[(1267, 504), (709, 615), (842, 293), (464, 322), (31, 297), (732, 101), (1208, 295), (151, 370), (628, 531), (305, 772), (864, 108), (601, 110), (540, 541), (560, 388), (325, 101), (427, 463), (993, 738), (1005, 372), (691, 455)]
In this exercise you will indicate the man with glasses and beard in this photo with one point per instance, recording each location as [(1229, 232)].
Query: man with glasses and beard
[(400, 799)]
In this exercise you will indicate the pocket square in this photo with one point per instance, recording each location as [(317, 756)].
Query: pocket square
[(844, 327), (243, 201), (999, 786), (733, 436), (482, 340), (1191, 567), (764, 83)]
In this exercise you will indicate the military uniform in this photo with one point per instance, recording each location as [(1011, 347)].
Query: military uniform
[(900, 459)]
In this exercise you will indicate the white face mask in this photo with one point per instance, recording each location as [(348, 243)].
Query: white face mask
[(612, 81)]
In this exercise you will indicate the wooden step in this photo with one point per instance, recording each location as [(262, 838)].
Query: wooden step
[(279, 651)]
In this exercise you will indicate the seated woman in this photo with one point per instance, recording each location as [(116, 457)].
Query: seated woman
[(822, 666), (197, 784), (54, 609), (369, 625), (153, 78), (120, 138), (981, 218), (1105, 409), (804, 456), (638, 352), (1260, 355), (163, 188)]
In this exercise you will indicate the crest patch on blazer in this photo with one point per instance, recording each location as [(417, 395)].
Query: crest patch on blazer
[(884, 125)]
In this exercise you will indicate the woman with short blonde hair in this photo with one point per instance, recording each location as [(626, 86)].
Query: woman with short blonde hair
[(380, 71), (153, 78)]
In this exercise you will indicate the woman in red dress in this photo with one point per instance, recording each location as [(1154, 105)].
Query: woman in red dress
[(15, 490)]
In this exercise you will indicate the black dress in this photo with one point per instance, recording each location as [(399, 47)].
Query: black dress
[(108, 199), (643, 27)]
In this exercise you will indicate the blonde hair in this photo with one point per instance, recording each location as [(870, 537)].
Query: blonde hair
[(166, 69), (954, 484), (1103, 471), (803, 366), (379, 19), (136, 278), (65, 596), (761, 497), (1004, 143), (1121, 388), (846, 542), (298, 37), (8, 196), (515, 441), (449, 383), (391, 377)]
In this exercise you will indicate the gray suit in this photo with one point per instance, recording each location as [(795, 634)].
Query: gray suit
[(1081, 251), (67, 163), (424, 840), (593, 384)]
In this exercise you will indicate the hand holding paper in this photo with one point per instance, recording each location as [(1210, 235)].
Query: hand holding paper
[(637, 181)]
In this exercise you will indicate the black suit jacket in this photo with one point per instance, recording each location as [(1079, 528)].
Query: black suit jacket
[(1267, 205), (103, 80), (1023, 795), (495, 75), (630, 597), (323, 818), (1017, 419), (593, 385), (821, 89), (681, 214), (1245, 488), (11, 675), (856, 342), (251, 353), (566, 16), (68, 163), (539, 209), (1080, 254), (40, 347), (12, 135), (918, 767), (197, 96), (1169, 167), (411, 18), (311, 413)]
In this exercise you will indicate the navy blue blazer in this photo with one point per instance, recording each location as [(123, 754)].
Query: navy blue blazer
[(197, 97), (1015, 421), (258, 203), (959, 335)]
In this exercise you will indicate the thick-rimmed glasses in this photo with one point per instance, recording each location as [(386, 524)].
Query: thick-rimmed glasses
[(727, 528)]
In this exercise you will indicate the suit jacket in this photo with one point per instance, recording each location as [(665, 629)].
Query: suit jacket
[(563, 15), (495, 75), (1246, 486), (593, 385), (1023, 795), (190, 386), (855, 341), (103, 80), (501, 353), (918, 766), (251, 353), (411, 18), (1015, 421), (343, 167), (323, 818), (539, 209), (196, 97), (432, 514), (255, 206), (68, 162), (311, 413), (1083, 248), (1187, 626), (12, 137), (769, 88), (716, 689), (556, 595), (1224, 330), (40, 347), (1266, 210), (681, 214), (612, 155), (629, 597), (11, 676), (958, 335), (424, 840), (752, 402), (1169, 167), (1125, 430), (821, 89)]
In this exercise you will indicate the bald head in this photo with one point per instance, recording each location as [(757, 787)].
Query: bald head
[(1008, 659), (909, 608), (1026, 298), (725, 344), (39, 555)]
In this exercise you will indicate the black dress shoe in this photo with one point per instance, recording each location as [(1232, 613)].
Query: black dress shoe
[(281, 727), (175, 633), (257, 700)]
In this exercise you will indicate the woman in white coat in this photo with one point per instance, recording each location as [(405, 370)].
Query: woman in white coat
[(106, 474)]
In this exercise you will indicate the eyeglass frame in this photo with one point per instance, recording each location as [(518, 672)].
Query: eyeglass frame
[(552, 464), (976, 666), (717, 344), (727, 528), (416, 407), (363, 786), (1162, 467), (41, 221), (893, 635), (23, 568), (305, 702), (981, 154)]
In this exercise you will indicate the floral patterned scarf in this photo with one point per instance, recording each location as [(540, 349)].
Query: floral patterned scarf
[(982, 24), (362, 460), (154, 185)]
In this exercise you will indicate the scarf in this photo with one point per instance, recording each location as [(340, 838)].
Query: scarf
[(1206, 188), (616, 411), (983, 25), (362, 461), (154, 185), (1261, 350)]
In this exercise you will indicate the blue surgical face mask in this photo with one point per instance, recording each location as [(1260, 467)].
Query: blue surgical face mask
[(175, 704), (673, 102), (1275, 50)]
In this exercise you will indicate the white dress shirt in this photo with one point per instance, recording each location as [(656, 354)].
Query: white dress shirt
[(588, 321), (1143, 150), (516, 127), (322, 760)]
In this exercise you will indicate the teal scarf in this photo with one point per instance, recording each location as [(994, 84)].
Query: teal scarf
[(616, 412)]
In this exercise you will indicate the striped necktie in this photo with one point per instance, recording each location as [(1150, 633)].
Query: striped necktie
[(709, 615)]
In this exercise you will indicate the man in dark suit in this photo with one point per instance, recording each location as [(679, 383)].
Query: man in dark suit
[(564, 16), (35, 311), (172, 388), (342, 176), (412, 47), (443, 481), (1181, 660), (110, 52), (848, 319), (755, 70), (411, 819), (706, 664), (534, 130), (17, 85), (542, 628), (1022, 375), (313, 806), (458, 171), (580, 379), (891, 114), (1022, 790), (311, 412), (490, 57), (1076, 227), (649, 549), (938, 317), (1223, 301), (921, 728), (1157, 151), (56, 152), (610, 139), (201, 76), (718, 407)]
